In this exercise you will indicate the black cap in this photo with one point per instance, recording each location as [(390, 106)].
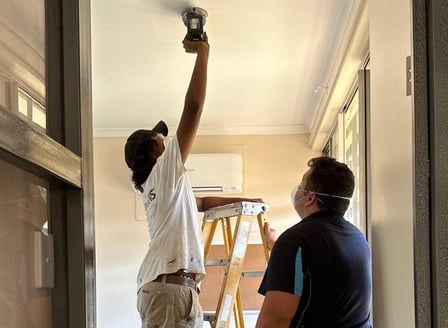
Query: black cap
[(135, 137), (161, 128)]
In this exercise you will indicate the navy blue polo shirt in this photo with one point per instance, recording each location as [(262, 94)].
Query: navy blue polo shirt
[(325, 260)]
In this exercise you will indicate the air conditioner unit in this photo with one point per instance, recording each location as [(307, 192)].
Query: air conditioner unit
[(215, 173)]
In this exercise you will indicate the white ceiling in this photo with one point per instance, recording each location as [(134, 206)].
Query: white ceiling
[(269, 67)]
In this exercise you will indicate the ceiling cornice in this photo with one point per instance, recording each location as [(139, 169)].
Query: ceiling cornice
[(352, 53)]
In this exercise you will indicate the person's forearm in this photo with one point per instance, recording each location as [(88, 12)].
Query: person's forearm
[(195, 97)]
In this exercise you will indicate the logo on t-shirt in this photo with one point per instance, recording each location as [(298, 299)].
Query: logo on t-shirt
[(152, 195)]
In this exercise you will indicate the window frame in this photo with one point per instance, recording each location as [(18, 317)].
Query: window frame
[(335, 145)]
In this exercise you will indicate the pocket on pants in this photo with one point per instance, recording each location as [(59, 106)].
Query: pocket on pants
[(169, 306), (190, 312), (151, 305)]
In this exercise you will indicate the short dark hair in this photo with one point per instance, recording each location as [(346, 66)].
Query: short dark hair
[(331, 177)]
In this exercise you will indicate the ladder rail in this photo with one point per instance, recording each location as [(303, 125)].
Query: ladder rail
[(208, 231), (228, 237)]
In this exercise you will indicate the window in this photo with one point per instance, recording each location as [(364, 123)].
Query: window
[(347, 144), (31, 110)]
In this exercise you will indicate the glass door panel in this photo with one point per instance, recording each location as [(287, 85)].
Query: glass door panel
[(26, 250)]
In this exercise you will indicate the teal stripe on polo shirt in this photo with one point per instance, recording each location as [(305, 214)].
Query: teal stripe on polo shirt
[(298, 277)]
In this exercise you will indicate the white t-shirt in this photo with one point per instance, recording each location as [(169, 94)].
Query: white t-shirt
[(173, 221)]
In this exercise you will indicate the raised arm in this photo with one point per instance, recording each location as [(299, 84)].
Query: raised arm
[(195, 97)]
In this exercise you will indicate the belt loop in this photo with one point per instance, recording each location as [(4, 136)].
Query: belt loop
[(164, 278)]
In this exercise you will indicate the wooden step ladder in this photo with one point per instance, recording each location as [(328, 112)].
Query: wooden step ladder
[(247, 214)]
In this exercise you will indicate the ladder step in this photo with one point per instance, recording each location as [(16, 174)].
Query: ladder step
[(252, 274), (215, 262), (235, 209)]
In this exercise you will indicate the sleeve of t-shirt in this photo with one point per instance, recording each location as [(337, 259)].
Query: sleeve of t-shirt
[(170, 163), (285, 268)]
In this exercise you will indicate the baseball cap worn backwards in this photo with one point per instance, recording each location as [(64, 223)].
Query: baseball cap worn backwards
[(137, 137)]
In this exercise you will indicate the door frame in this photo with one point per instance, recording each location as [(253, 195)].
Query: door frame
[(430, 82), (63, 157)]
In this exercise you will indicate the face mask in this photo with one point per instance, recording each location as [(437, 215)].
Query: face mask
[(161, 137), (293, 196)]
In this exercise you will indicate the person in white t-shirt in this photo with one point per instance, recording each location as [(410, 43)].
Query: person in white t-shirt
[(174, 263)]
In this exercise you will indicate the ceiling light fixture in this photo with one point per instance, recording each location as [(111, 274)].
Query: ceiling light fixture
[(194, 19)]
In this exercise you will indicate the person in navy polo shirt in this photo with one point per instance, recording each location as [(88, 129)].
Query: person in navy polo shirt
[(319, 272)]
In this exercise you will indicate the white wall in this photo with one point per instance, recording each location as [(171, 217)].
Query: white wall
[(120, 239), (391, 190)]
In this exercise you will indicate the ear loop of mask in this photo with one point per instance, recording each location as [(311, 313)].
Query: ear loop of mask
[(323, 203), (164, 139), (300, 199), (160, 136)]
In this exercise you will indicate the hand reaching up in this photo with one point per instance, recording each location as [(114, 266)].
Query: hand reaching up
[(196, 46)]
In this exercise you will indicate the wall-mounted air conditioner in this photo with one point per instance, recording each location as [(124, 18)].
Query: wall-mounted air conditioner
[(215, 173)]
